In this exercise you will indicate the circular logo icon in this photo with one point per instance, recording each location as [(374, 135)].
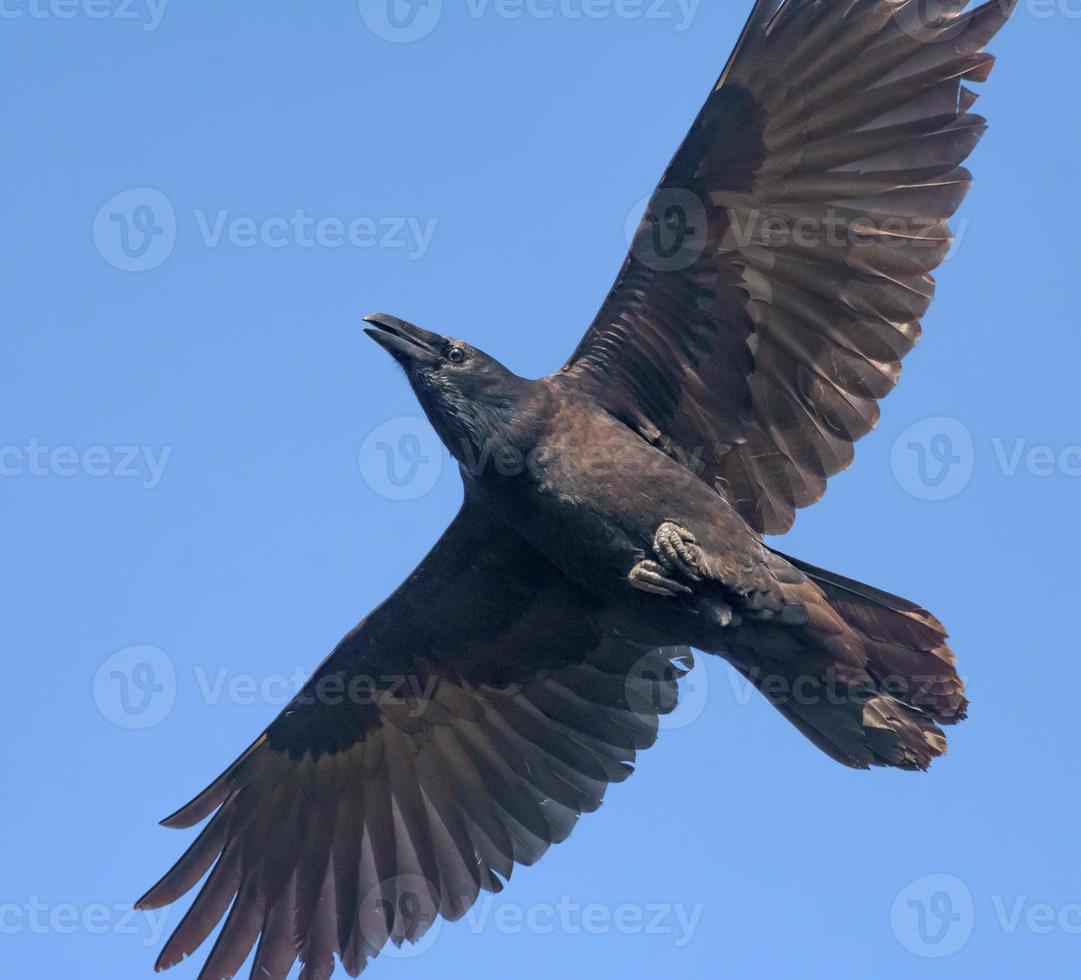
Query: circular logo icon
[(932, 20), (135, 230), (401, 459), (401, 21), (667, 683), (673, 230), (136, 687), (933, 458), (933, 916), (405, 910)]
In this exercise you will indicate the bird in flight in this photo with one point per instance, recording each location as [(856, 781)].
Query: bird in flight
[(613, 513)]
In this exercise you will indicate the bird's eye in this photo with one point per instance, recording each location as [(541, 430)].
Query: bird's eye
[(456, 355)]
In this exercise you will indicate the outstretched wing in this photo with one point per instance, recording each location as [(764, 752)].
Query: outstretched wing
[(784, 262), (460, 729)]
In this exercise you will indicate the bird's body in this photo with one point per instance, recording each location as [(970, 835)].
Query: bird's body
[(589, 494), (614, 513), (585, 490)]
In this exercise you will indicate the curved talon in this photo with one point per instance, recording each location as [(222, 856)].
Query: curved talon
[(677, 548), (651, 576)]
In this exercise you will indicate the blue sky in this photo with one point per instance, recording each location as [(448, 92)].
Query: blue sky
[(196, 506)]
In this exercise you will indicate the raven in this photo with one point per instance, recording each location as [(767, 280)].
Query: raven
[(613, 513)]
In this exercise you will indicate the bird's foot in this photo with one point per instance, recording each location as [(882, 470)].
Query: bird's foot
[(677, 549), (677, 556), (652, 576)]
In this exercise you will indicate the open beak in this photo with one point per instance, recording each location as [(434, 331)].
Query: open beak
[(407, 343)]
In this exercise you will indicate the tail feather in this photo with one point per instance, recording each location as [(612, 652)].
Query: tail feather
[(869, 677), (905, 645)]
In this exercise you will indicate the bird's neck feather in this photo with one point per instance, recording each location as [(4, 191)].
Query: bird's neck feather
[(508, 421)]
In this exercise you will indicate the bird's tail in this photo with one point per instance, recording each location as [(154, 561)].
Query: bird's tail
[(868, 678)]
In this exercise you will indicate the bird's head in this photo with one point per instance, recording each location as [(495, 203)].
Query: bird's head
[(469, 397)]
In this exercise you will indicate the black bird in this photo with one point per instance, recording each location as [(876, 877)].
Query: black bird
[(613, 513)]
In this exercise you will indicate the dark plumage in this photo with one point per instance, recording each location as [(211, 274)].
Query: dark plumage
[(613, 513)]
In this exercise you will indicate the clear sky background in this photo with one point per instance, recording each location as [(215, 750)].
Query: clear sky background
[(478, 180)]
